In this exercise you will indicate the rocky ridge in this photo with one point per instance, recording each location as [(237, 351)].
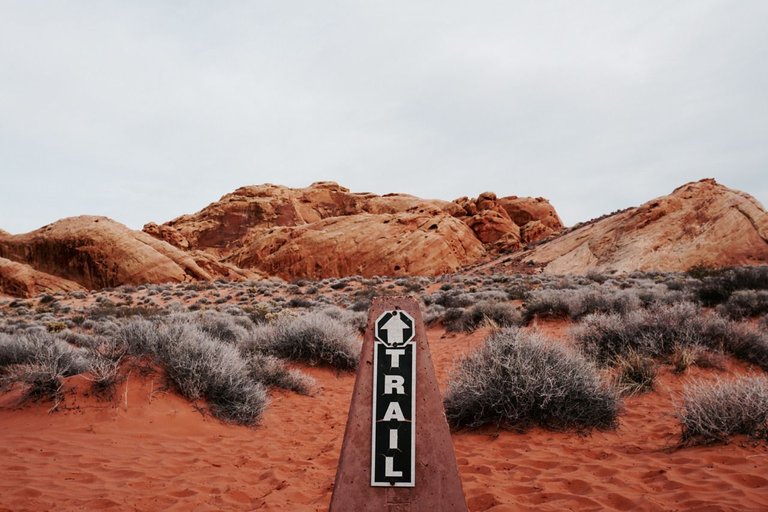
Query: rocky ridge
[(699, 224)]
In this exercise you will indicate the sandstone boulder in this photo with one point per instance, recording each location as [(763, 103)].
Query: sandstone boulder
[(21, 280), (700, 223), (97, 252)]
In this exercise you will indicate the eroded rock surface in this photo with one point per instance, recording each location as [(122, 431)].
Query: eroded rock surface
[(699, 223), (97, 252)]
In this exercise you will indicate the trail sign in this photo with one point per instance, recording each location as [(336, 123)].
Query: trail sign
[(393, 429), (397, 454), (394, 328)]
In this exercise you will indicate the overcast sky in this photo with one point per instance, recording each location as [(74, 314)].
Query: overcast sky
[(145, 110)]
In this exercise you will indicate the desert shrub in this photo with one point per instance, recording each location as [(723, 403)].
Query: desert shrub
[(273, 372), (596, 276), (103, 374), (636, 373), (654, 332), (15, 349), (138, 336), (338, 285), (683, 357), (604, 336), (55, 327), (717, 285), (656, 295), (452, 316), (579, 302), (745, 303), (355, 319), (713, 412), (452, 299), (80, 339), (361, 305), (222, 326), (433, 314), (41, 348), (314, 338), (202, 367), (747, 343), (43, 380), (662, 330), (494, 313), (518, 291), (517, 379), (297, 302), (40, 362)]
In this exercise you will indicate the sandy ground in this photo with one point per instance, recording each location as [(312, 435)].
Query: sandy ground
[(149, 449)]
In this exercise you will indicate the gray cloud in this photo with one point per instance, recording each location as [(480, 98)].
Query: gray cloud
[(146, 110)]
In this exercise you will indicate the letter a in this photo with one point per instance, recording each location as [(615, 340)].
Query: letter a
[(394, 412)]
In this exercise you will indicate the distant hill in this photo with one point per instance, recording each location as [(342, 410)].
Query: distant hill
[(325, 230), (699, 224)]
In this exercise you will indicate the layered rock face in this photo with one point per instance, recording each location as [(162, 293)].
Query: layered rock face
[(509, 222), (20, 280), (223, 227), (700, 223), (325, 230), (96, 252), (364, 244)]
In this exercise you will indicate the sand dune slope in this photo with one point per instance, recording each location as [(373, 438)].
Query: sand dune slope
[(148, 449)]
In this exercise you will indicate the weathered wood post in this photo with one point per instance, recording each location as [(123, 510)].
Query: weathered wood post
[(397, 454)]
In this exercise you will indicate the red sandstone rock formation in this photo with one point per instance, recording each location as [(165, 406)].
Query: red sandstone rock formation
[(509, 222), (536, 217), (96, 252), (325, 230), (20, 280), (364, 244), (700, 223), (237, 218)]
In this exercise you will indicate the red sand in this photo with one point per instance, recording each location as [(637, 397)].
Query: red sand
[(156, 451)]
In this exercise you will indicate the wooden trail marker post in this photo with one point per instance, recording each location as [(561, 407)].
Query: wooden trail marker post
[(397, 454)]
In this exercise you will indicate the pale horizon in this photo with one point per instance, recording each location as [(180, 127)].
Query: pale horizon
[(142, 112)]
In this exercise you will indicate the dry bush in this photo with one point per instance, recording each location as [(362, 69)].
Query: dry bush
[(683, 357), (576, 303), (40, 362), (606, 336), (717, 285), (518, 379), (433, 314), (713, 412), (745, 303), (222, 326), (43, 380), (355, 319), (661, 330), (273, 372), (314, 338), (137, 336), (636, 373), (103, 373), (494, 313), (41, 347), (202, 367), (747, 343), (450, 299)]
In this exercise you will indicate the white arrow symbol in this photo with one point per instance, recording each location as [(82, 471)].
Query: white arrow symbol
[(395, 328)]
